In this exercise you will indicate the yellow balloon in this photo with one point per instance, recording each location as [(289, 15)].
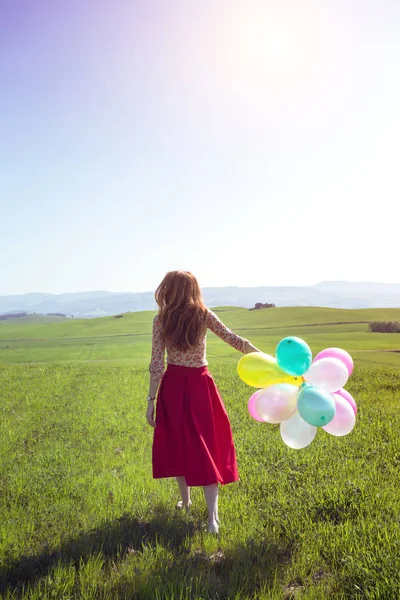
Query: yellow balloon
[(261, 370)]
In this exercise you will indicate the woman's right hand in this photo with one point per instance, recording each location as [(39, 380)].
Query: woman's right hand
[(150, 413)]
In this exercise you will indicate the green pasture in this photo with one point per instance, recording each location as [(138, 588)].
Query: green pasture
[(82, 518), (47, 339)]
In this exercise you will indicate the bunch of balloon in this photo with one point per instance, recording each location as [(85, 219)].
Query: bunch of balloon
[(299, 393)]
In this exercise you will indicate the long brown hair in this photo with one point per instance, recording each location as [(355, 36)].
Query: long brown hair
[(182, 311)]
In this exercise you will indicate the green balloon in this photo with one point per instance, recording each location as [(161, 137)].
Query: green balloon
[(315, 406), (294, 356)]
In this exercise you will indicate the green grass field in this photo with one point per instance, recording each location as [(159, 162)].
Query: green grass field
[(49, 339), (82, 518)]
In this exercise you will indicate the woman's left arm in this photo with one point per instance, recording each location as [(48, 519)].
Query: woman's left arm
[(221, 330)]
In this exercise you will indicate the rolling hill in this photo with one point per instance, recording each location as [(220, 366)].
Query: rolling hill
[(51, 339), (102, 303)]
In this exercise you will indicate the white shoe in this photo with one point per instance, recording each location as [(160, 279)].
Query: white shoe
[(213, 527), (180, 505)]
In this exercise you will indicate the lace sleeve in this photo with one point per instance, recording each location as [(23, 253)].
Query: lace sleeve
[(222, 331), (157, 364)]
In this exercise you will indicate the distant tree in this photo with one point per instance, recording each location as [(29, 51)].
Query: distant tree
[(13, 316), (260, 305), (118, 316), (385, 326)]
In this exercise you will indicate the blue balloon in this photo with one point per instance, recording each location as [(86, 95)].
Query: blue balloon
[(294, 356), (316, 406)]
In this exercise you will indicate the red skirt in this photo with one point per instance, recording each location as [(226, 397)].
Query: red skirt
[(193, 436)]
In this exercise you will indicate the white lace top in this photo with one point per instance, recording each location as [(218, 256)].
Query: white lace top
[(193, 357)]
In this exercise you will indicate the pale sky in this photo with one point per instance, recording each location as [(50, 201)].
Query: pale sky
[(252, 142)]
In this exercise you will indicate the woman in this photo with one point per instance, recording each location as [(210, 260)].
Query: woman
[(192, 437)]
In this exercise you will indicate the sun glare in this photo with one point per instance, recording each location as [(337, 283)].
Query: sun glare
[(283, 50), (279, 48)]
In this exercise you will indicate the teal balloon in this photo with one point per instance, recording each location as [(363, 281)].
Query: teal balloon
[(316, 406), (293, 355)]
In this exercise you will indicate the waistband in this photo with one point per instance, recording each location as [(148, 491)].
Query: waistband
[(184, 368)]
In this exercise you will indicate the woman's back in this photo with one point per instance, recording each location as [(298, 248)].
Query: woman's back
[(196, 355)]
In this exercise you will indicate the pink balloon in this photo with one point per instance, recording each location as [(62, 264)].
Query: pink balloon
[(345, 394), (344, 419), (277, 402), (329, 374), (252, 406), (340, 355)]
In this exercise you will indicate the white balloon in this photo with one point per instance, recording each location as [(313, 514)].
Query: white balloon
[(344, 419), (277, 402), (297, 433), (329, 374)]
